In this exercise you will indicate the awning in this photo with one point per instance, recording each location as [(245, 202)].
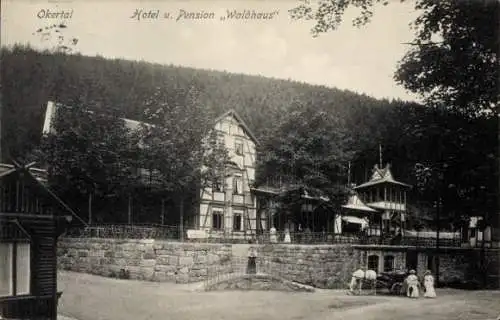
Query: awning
[(356, 220), (432, 234)]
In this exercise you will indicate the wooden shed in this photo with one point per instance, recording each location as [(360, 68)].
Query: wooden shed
[(31, 219)]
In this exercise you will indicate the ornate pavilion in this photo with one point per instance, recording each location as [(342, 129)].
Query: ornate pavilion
[(377, 206)]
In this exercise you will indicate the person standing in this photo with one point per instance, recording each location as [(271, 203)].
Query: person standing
[(430, 292), (413, 285)]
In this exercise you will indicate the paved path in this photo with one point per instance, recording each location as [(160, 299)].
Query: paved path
[(87, 297), (61, 317)]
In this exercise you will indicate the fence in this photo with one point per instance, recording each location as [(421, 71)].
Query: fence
[(173, 233), (125, 231)]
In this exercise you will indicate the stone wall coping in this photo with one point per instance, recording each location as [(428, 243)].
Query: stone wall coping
[(145, 241), (300, 246), (404, 248)]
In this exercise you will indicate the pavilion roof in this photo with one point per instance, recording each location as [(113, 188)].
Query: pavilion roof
[(355, 203), (381, 175)]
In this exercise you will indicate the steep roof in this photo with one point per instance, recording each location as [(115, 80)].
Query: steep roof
[(134, 124), (355, 203), (37, 183), (234, 114), (381, 175)]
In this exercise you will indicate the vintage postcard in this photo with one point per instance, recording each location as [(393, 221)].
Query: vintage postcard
[(249, 159)]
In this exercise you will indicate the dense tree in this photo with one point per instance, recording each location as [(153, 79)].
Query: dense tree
[(89, 154), (273, 109), (30, 78), (309, 147), (453, 61), (178, 147)]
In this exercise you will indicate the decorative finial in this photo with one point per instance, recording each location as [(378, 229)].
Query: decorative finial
[(380, 154)]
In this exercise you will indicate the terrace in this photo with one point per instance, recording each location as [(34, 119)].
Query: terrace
[(422, 239)]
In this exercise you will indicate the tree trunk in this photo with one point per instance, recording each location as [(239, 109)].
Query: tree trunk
[(130, 208), (162, 218)]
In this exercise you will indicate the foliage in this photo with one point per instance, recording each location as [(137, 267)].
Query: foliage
[(453, 60), (89, 152), (30, 78), (453, 64), (288, 118), (177, 146), (309, 145), (55, 36)]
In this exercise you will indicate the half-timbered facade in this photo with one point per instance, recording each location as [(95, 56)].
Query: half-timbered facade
[(229, 205), (31, 219)]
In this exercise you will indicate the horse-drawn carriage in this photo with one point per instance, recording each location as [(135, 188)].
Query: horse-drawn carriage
[(393, 281)]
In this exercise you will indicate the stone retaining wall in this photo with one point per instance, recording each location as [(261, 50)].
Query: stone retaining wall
[(321, 266), (143, 259)]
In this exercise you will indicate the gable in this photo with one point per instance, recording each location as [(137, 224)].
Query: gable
[(231, 123), (22, 192)]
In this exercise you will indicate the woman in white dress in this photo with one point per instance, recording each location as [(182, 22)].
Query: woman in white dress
[(287, 239), (412, 285), (429, 285)]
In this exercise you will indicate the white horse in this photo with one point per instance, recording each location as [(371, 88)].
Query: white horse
[(371, 276), (357, 280)]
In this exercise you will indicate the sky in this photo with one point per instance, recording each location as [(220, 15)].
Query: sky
[(358, 59)]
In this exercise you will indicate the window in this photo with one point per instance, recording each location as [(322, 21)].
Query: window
[(388, 263), (237, 185), (15, 272), (237, 222), (218, 186), (217, 219), (373, 263), (220, 140), (238, 148)]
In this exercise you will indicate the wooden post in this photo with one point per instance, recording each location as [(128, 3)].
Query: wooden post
[(90, 208), (438, 207), (181, 222), (1, 142)]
